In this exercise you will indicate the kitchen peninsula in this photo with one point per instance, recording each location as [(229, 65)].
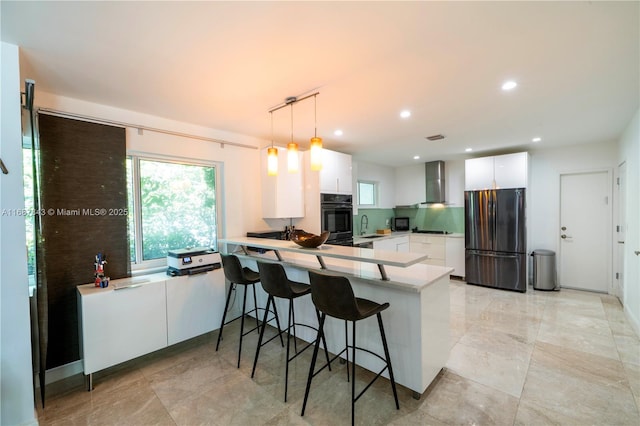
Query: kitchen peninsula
[(416, 324)]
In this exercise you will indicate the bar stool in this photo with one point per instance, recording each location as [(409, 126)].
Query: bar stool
[(333, 296), (275, 282), (239, 275)]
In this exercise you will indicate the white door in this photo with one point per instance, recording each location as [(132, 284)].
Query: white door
[(621, 229), (585, 245)]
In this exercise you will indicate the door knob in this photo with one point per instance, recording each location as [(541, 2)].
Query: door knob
[(563, 236), (564, 228), (637, 252)]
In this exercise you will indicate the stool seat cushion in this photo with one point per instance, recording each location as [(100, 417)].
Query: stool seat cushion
[(299, 289), (367, 308), (333, 295), (236, 273), (250, 275)]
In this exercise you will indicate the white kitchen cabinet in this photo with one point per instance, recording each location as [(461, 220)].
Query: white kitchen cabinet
[(411, 186), (400, 244), (119, 325), (497, 172), (431, 245), (511, 170), (336, 176), (282, 195), (478, 173), (155, 311), (454, 254), (194, 305)]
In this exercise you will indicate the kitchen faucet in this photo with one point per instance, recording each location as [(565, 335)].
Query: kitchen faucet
[(364, 224)]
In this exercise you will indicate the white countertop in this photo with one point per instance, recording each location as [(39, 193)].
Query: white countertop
[(346, 261), (380, 257), (365, 238), (88, 289)]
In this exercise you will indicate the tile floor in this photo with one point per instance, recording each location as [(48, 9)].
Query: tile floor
[(538, 358)]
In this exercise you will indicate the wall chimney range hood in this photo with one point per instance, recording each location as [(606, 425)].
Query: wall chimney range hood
[(434, 174)]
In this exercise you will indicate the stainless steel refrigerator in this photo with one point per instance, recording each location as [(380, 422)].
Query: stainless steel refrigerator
[(495, 238)]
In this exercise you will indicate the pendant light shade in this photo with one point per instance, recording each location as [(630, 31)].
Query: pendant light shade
[(292, 148), (272, 161), (316, 154), (293, 165), (316, 142)]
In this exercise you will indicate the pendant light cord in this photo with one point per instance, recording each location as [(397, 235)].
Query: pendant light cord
[(292, 122)]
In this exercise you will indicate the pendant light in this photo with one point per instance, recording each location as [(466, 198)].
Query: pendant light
[(272, 155), (292, 151), (316, 142)]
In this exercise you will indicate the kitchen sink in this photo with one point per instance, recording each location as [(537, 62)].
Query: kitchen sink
[(373, 236)]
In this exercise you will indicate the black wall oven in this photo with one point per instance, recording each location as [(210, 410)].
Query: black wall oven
[(336, 213)]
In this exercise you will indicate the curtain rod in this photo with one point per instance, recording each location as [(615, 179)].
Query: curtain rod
[(64, 114)]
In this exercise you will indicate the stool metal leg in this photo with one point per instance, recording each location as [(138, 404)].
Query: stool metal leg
[(386, 354), (313, 361), (286, 368), (353, 374), (293, 321), (346, 345), (264, 321), (275, 313), (255, 308), (324, 342), (224, 314), (244, 306)]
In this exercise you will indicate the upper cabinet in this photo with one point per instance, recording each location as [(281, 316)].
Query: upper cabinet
[(282, 195), (501, 171), (336, 176), (411, 185)]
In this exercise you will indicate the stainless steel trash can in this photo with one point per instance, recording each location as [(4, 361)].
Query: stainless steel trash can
[(544, 270)]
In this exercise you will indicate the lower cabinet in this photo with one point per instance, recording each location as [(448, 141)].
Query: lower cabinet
[(400, 244), (455, 255), (432, 245), (194, 306), (442, 250), (117, 325)]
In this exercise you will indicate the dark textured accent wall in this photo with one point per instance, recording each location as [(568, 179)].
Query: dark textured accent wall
[(84, 192)]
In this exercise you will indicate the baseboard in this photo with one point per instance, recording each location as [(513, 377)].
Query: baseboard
[(62, 372)]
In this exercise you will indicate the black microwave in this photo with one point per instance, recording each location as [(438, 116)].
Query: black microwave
[(401, 224)]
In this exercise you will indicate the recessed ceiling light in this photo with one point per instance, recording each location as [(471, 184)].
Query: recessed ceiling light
[(468, 150), (509, 85), (405, 114), (416, 157), (338, 132), (536, 139)]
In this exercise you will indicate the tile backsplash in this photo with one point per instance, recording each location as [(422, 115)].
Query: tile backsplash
[(449, 219)]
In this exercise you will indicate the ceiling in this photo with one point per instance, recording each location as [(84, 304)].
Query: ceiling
[(224, 65)]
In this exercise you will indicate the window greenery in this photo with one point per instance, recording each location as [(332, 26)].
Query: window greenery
[(173, 205)]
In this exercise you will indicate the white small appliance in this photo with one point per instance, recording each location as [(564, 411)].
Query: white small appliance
[(194, 260)]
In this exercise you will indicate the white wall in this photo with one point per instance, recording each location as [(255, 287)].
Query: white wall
[(629, 152), (241, 166), (384, 176), (16, 390), (546, 165)]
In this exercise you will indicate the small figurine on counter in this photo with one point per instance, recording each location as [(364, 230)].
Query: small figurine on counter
[(100, 279)]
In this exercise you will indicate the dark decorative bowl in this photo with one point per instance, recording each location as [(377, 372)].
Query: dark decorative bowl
[(307, 240)]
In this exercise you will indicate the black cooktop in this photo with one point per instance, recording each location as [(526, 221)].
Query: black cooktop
[(426, 231)]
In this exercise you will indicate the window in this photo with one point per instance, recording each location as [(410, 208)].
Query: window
[(367, 192), (173, 205)]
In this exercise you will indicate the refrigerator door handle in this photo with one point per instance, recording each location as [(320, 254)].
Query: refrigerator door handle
[(507, 256)]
